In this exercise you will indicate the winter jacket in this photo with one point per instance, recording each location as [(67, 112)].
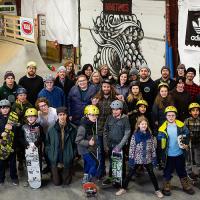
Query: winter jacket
[(163, 137), (142, 149), (85, 132), (76, 103), (56, 96), (116, 131), (68, 84), (8, 93), (53, 143)]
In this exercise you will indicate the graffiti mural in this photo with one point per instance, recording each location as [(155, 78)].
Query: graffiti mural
[(118, 39)]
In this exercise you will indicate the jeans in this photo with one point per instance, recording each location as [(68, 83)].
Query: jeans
[(90, 164), (178, 163), (13, 169)]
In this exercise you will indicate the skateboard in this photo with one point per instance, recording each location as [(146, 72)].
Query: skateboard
[(90, 189), (117, 167), (33, 166)]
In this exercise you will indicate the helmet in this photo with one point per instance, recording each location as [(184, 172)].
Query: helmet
[(91, 109), (117, 104), (49, 77), (170, 109), (163, 84), (21, 90), (134, 83), (142, 102), (31, 112), (5, 102), (193, 105)]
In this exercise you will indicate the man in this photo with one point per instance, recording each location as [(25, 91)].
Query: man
[(31, 82), (192, 88), (9, 88), (165, 78), (102, 100), (53, 94), (147, 86), (79, 96), (60, 148), (181, 98), (62, 81)]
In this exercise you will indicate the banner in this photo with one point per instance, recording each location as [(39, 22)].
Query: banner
[(27, 28), (119, 7), (192, 38)]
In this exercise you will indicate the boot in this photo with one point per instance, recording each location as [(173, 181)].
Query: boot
[(166, 188), (186, 186)]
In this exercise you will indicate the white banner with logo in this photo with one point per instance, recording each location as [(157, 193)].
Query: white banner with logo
[(27, 28)]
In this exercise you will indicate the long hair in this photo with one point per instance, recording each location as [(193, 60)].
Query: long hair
[(139, 120), (100, 94), (121, 73), (71, 74), (161, 102), (131, 97)]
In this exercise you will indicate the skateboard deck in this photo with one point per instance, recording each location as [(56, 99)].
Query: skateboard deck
[(33, 167)]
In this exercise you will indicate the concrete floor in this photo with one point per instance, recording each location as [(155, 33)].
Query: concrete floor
[(141, 189)]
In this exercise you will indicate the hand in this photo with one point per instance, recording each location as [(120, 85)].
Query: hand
[(4, 134), (120, 97), (8, 126), (70, 118), (186, 147), (91, 142), (95, 101)]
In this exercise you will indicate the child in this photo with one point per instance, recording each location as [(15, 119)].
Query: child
[(116, 134), (86, 141), (32, 133), (193, 124), (20, 106), (174, 138), (5, 110), (141, 152)]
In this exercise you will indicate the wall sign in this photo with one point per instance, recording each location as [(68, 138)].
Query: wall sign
[(192, 38), (120, 7), (27, 28)]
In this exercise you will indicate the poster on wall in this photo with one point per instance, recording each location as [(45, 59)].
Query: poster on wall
[(192, 38), (27, 28)]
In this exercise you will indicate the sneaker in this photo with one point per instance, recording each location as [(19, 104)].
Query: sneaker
[(159, 194), (120, 192), (15, 182), (107, 181)]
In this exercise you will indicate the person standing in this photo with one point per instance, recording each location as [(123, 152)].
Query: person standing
[(32, 82), (60, 148), (9, 88)]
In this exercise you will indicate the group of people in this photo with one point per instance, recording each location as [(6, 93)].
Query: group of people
[(92, 114)]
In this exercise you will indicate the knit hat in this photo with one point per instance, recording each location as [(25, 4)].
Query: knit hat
[(62, 110), (31, 64), (191, 69), (181, 66), (48, 77), (165, 67), (9, 73), (146, 67), (133, 71), (61, 68)]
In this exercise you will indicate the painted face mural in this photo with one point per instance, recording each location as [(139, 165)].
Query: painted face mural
[(118, 38)]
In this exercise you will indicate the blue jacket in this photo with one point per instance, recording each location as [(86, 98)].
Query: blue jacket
[(76, 103), (56, 97)]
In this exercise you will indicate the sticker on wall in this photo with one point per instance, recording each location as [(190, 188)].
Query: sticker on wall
[(118, 39), (27, 28)]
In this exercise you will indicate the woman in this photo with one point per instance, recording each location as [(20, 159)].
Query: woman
[(70, 71), (95, 79), (122, 87), (105, 73), (87, 70), (47, 117)]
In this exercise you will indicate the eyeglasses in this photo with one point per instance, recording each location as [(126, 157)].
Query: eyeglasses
[(49, 82), (4, 107), (43, 106)]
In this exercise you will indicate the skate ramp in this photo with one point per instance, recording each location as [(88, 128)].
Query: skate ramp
[(14, 55)]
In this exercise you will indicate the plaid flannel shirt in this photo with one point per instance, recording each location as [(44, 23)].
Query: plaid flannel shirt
[(193, 90)]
